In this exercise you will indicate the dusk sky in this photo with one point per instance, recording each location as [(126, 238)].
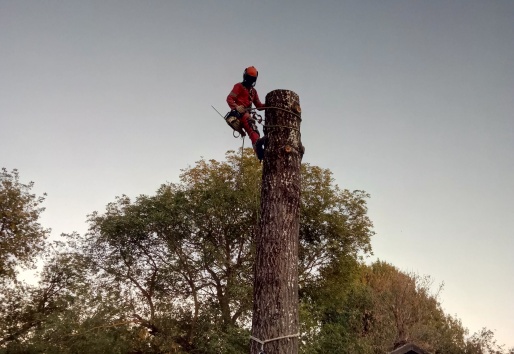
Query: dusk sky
[(410, 101)]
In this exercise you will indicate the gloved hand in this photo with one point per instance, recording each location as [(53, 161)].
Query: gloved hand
[(240, 109)]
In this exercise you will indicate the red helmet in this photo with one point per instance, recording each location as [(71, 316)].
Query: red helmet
[(250, 76), (252, 71)]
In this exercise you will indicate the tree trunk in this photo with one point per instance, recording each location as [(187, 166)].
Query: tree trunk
[(275, 297)]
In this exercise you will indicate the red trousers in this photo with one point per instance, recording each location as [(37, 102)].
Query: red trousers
[(250, 128)]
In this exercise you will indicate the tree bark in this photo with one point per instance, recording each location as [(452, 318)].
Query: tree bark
[(275, 306)]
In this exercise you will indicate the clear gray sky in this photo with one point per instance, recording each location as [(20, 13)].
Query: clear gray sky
[(411, 101)]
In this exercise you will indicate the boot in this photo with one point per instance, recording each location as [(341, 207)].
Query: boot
[(258, 147)]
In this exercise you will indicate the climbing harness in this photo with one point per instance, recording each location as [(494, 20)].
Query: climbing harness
[(262, 342), (253, 120), (233, 120), (265, 126)]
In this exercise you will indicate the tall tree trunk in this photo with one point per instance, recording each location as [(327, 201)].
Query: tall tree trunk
[(275, 321)]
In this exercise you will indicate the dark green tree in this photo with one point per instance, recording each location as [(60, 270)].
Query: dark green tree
[(172, 273), (22, 238), (182, 259), (68, 312), (26, 307), (335, 233)]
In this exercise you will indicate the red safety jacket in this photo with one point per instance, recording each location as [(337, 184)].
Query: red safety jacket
[(241, 96)]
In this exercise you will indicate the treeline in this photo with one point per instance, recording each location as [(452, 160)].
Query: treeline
[(172, 273)]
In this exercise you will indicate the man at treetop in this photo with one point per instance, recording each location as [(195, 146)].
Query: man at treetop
[(240, 100)]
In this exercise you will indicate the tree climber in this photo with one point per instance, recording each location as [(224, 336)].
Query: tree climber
[(240, 101)]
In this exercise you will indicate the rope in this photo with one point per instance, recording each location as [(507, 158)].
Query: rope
[(242, 148), (239, 179), (262, 342), (279, 108), (280, 126)]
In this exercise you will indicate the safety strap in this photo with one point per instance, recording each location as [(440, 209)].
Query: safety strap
[(275, 125), (280, 126), (262, 342), (281, 109)]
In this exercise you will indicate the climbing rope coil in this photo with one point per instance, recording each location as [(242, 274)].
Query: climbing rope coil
[(263, 342)]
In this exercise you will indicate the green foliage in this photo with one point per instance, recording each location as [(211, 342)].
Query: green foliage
[(333, 311), (172, 273), (483, 342), (67, 312), (377, 308), (182, 259), (25, 307), (21, 236), (333, 225)]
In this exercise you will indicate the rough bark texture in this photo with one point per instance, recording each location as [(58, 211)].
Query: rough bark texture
[(275, 306)]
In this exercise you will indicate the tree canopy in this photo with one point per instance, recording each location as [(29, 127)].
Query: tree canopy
[(21, 236), (172, 273)]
